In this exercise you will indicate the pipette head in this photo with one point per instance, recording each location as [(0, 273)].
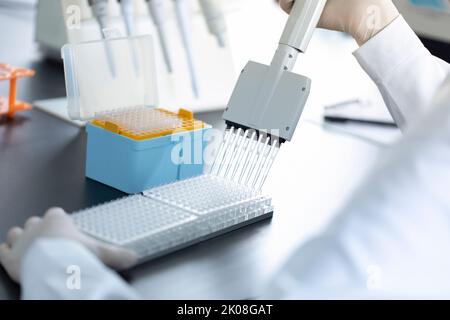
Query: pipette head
[(269, 100)]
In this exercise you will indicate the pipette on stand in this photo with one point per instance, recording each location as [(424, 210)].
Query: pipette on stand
[(100, 12), (128, 16), (127, 7), (215, 20), (182, 13), (156, 8)]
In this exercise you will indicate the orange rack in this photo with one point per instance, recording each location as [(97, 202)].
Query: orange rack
[(10, 106)]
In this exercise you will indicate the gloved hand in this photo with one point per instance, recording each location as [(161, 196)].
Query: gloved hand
[(362, 19), (57, 224)]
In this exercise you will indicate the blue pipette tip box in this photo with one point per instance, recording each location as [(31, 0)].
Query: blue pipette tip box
[(131, 145), (133, 166)]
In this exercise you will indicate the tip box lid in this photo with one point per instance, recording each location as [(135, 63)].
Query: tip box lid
[(109, 74)]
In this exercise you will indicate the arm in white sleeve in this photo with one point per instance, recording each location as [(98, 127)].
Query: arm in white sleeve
[(392, 239), (64, 269), (406, 73)]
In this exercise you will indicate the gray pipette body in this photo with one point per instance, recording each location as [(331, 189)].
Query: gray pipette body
[(271, 99)]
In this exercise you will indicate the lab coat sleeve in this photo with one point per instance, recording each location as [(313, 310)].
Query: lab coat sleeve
[(392, 239), (406, 73), (64, 269)]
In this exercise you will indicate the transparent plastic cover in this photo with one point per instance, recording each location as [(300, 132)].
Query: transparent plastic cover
[(109, 74)]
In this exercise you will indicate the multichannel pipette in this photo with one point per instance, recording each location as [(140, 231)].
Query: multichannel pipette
[(272, 98), (215, 20), (267, 102), (100, 12), (182, 14), (156, 8)]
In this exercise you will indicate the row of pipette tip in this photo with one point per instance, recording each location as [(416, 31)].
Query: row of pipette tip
[(212, 12), (245, 156)]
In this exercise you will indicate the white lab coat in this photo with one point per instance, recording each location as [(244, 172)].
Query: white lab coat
[(391, 241)]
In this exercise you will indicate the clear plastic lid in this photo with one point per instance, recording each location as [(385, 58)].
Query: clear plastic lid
[(109, 75)]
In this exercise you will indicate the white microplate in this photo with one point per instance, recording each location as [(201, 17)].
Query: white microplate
[(207, 194), (128, 221), (173, 215), (219, 203)]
